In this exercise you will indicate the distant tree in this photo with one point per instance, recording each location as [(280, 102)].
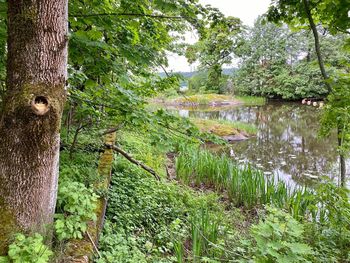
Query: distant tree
[(215, 48), (275, 62)]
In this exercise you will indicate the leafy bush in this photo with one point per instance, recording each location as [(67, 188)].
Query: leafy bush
[(27, 250), (279, 238), (77, 204), (329, 233), (117, 247)]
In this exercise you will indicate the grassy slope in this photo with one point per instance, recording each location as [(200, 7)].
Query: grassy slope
[(150, 221)]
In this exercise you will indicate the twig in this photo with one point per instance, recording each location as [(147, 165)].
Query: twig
[(131, 159), (111, 130), (94, 245), (166, 73)]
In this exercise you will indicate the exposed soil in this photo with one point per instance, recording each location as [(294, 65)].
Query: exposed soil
[(170, 166)]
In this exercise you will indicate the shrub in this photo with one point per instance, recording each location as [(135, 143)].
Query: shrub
[(27, 249), (77, 206), (279, 238)]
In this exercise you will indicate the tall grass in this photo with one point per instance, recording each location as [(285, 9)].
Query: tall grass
[(205, 233), (245, 186), (251, 100)]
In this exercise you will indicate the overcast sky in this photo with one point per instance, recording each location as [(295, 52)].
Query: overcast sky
[(246, 10)]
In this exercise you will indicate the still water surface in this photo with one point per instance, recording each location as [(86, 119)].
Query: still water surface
[(287, 142)]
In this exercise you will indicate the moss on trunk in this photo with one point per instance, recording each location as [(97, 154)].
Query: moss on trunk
[(7, 226)]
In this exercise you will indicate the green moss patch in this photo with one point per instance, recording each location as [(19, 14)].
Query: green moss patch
[(206, 99), (225, 128)]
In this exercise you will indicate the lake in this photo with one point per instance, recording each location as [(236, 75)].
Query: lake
[(287, 143)]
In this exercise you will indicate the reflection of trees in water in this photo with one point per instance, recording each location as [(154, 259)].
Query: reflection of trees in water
[(287, 134)]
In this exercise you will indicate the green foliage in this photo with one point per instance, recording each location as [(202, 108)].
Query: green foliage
[(198, 81), (118, 247), (155, 221), (77, 205), (205, 232), (141, 208), (140, 204), (82, 168), (245, 186), (279, 238), (27, 249), (337, 112), (329, 233), (150, 221), (332, 14), (109, 82), (216, 45), (279, 63)]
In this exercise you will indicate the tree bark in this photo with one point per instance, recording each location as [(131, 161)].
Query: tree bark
[(31, 115), (342, 164), (317, 43)]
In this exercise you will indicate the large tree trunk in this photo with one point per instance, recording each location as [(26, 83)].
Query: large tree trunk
[(31, 115)]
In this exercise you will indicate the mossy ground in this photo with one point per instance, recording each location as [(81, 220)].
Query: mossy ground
[(224, 128), (206, 99), (210, 99)]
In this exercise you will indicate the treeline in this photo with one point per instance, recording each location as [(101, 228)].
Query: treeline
[(277, 62)]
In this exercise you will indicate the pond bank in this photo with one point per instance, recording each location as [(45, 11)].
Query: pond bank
[(199, 99), (229, 131)]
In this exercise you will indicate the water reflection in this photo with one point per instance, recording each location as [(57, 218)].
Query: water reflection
[(287, 143)]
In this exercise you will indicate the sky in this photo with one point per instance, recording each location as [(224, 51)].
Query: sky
[(246, 10)]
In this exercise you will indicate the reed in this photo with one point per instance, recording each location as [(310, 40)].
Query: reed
[(245, 186), (179, 252), (205, 233)]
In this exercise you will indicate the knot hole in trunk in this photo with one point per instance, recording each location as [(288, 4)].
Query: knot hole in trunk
[(40, 105)]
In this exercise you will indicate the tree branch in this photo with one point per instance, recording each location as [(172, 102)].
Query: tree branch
[(165, 71), (342, 31), (138, 163), (127, 14), (114, 129)]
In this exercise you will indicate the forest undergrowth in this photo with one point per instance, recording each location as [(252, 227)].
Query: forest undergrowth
[(254, 220)]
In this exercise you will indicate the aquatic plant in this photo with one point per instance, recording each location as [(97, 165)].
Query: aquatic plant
[(205, 234), (245, 186)]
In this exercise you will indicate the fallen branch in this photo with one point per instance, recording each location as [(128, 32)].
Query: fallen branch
[(114, 129), (131, 159), (94, 245)]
